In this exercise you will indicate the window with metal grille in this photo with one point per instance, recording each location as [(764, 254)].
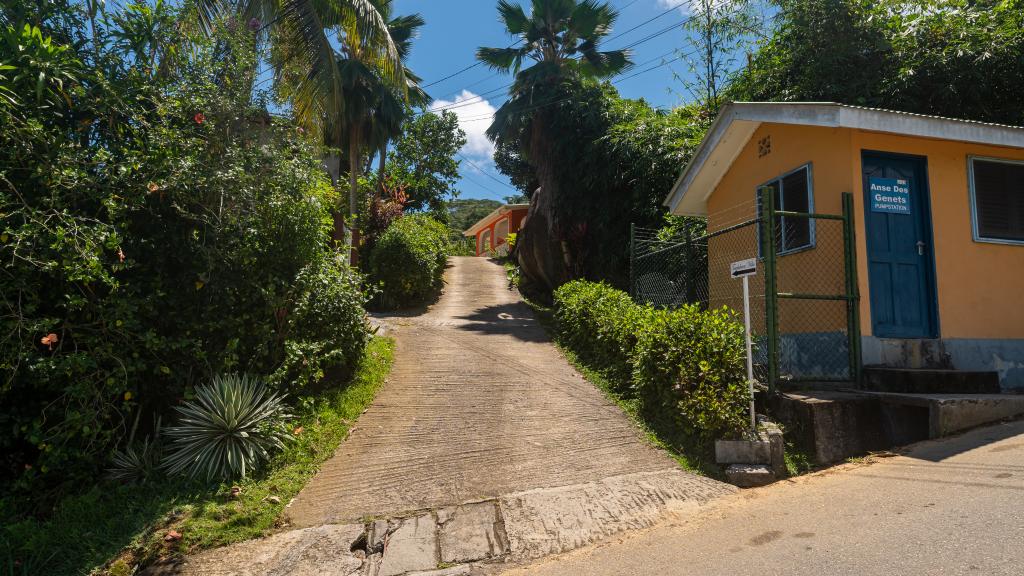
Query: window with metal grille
[(793, 193), (997, 190)]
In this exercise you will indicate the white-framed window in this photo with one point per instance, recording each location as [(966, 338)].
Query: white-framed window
[(794, 192), (501, 230), (485, 242), (997, 199)]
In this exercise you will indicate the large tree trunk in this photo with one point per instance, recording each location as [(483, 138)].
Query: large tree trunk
[(353, 171), (540, 249), (382, 163)]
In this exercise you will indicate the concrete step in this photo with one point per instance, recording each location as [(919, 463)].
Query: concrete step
[(929, 381), (831, 425), (952, 413)]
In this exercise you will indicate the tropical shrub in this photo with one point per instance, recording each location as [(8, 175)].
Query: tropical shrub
[(689, 364), (155, 230), (686, 366), (229, 429), (324, 324), (600, 324), (409, 259)]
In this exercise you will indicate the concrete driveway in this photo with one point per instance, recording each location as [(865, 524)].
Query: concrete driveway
[(952, 506), (479, 404)]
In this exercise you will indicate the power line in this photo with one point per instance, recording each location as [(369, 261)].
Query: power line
[(648, 21), (467, 68), (652, 36), (494, 195), (480, 98), (570, 97), (485, 173)]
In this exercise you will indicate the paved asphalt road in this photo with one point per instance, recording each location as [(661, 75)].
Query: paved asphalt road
[(954, 506)]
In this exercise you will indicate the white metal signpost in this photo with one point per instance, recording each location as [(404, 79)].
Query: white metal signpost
[(745, 269)]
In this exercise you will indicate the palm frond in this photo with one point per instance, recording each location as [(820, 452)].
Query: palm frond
[(604, 64), (512, 16), (591, 19), (500, 59)]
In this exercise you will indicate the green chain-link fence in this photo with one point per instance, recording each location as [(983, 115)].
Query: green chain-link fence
[(803, 300)]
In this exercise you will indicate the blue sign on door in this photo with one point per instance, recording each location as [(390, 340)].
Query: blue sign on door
[(890, 195)]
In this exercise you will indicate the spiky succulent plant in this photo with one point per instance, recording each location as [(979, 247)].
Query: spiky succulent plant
[(229, 429), (137, 461)]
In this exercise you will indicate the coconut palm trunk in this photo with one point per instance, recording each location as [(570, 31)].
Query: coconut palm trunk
[(355, 142), (561, 38)]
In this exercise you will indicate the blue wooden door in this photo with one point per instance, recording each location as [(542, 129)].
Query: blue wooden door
[(900, 263)]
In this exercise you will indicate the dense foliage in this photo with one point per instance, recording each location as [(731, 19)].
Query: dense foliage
[(689, 364), (424, 162), (154, 230), (686, 365), (957, 58), (465, 213), (613, 160), (409, 259)]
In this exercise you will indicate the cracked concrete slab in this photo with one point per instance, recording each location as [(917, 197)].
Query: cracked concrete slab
[(555, 520), (471, 532), (412, 546), (319, 551)]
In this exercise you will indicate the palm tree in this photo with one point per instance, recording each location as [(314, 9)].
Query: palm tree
[(562, 39), (359, 106), (392, 110), (303, 33)]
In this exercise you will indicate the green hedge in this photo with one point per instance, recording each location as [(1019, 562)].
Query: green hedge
[(600, 324), (690, 364), (685, 364), (409, 259)]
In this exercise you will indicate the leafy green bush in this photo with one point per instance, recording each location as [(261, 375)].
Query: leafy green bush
[(690, 364), (600, 324), (409, 259), (232, 426), (685, 365), (155, 230), (326, 326)]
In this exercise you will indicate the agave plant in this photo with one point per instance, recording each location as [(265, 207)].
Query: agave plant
[(230, 428), (138, 461)]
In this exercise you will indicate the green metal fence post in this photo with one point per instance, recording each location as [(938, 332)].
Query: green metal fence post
[(632, 260), (689, 275), (771, 291), (852, 288)]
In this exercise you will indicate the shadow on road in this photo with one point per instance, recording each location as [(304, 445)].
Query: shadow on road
[(939, 450), (509, 319)]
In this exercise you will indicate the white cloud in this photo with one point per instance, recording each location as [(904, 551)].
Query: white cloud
[(666, 4), (475, 114)]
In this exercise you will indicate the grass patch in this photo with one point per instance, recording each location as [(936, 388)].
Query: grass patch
[(110, 529), (798, 461), (689, 452)]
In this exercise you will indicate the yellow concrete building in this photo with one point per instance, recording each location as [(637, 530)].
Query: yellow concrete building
[(939, 213)]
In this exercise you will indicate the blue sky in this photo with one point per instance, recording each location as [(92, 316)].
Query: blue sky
[(456, 28)]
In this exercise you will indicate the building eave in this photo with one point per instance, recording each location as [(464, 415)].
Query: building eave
[(495, 214), (737, 122)]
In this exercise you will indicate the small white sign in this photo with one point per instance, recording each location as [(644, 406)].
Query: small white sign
[(743, 268)]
